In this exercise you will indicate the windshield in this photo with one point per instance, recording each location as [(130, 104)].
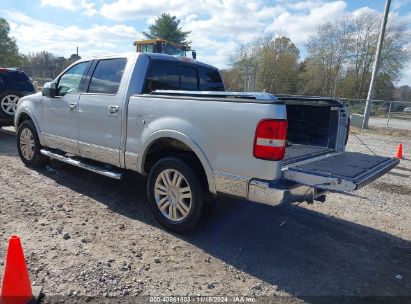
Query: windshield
[(172, 50)]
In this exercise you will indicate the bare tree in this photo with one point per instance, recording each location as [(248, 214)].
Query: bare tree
[(275, 60), (328, 50), (340, 57)]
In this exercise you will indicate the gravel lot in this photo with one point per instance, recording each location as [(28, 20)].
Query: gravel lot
[(87, 235)]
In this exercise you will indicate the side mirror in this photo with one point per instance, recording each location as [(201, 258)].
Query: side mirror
[(194, 54), (49, 89)]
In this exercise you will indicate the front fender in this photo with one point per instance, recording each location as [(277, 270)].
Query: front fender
[(186, 140), (31, 106)]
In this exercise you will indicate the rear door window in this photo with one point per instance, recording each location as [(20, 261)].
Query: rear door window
[(2, 83), (162, 75), (107, 76), (189, 80), (210, 79), (20, 82)]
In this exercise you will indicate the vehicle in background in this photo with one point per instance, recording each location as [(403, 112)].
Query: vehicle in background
[(162, 46), (170, 118), (14, 84), (407, 109)]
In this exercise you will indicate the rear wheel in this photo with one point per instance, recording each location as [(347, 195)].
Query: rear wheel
[(28, 145), (8, 104), (175, 194)]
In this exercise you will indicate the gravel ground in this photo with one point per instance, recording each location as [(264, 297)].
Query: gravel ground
[(87, 235)]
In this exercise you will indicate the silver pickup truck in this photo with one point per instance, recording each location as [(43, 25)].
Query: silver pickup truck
[(170, 118)]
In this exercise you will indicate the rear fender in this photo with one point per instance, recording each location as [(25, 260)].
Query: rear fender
[(186, 140)]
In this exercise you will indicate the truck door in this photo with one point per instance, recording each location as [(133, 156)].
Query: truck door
[(100, 111), (60, 113), (345, 171)]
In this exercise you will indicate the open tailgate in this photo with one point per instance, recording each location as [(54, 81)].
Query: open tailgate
[(344, 171)]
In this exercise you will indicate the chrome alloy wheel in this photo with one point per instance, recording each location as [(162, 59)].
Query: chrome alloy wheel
[(9, 104), (27, 144), (173, 195)]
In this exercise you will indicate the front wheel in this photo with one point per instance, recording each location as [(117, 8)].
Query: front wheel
[(175, 194), (28, 145)]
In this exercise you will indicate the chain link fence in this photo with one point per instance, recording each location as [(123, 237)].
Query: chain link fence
[(388, 114)]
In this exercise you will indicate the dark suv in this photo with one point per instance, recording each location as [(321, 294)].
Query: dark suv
[(13, 85)]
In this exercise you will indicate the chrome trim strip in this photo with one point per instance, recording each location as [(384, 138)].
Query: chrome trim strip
[(100, 153), (77, 163), (130, 161), (231, 184), (59, 142), (252, 95)]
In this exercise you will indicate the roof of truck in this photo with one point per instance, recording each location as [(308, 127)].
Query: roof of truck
[(160, 56), (157, 56)]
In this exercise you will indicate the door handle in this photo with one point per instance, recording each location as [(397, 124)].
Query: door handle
[(72, 105), (112, 109)]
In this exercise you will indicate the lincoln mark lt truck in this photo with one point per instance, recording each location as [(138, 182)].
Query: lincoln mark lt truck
[(171, 119)]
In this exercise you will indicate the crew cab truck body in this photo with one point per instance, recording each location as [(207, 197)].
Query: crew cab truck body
[(171, 119)]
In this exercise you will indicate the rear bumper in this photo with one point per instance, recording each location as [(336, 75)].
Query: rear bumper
[(282, 191), (275, 192)]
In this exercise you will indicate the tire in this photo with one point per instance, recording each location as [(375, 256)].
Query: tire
[(8, 104), (173, 186), (28, 145)]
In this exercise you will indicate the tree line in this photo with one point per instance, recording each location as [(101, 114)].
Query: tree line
[(41, 66), (338, 61), (44, 66)]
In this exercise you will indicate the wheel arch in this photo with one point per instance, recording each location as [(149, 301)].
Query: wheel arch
[(157, 136), (25, 114)]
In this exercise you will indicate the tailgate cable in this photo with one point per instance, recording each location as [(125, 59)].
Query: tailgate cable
[(364, 143)]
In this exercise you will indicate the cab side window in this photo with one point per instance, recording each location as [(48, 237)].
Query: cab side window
[(107, 76), (162, 75), (210, 80), (188, 78), (69, 82)]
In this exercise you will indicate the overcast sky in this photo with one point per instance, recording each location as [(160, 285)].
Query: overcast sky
[(218, 26)]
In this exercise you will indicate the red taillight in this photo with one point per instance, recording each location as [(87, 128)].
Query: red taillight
[(270, 139)]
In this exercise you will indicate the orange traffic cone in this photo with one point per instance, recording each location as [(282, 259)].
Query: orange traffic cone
[(15, 285), (399, 152)]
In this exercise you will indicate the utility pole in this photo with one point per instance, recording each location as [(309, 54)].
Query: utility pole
[(370, 95), (255, 78), (246, 78)]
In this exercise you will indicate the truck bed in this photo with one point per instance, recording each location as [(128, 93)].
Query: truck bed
[(297, 152), (313, 127)]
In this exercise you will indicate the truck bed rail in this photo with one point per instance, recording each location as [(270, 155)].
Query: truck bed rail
[(254, 97)]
